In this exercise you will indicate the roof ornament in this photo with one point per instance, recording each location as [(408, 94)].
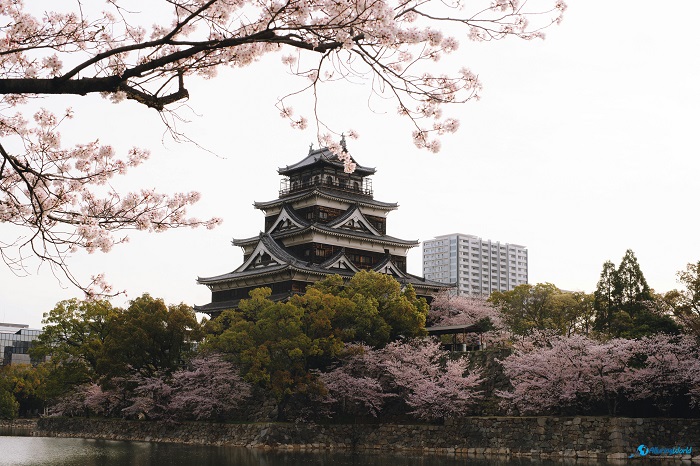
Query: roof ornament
[(311, 147), (343, 144)]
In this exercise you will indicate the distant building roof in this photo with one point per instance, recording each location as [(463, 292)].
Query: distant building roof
[(12, 328), (452, 329)]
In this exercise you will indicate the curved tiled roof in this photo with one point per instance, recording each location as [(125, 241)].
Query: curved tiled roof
[(342, 233), (353, 210), (233, 303), (294, 215), (334, 258), (323, 156), (328, 194), (288, 261)]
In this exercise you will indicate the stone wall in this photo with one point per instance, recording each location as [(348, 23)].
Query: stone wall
[(584, 437), (18, 424)]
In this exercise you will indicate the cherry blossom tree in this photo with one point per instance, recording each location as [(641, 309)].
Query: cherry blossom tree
[(578, 374), (666, 371), (89, 398), (355, 384), (149, 398), (432, 385), (62, 197), (568, 375), (416, 371), (208, 388), (447, 309)]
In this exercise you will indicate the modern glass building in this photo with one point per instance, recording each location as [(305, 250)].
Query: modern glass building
[(15, 341)]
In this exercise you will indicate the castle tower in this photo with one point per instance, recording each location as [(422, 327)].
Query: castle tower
[(325, 221)]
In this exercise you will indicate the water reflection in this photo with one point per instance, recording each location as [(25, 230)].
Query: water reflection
[(35, 451), (42, 451)]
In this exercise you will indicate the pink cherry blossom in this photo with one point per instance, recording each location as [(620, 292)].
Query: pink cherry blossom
[(122, 53), (416, 371), (575, 374)]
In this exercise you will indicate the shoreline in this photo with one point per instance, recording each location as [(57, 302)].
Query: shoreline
[(580, 437)]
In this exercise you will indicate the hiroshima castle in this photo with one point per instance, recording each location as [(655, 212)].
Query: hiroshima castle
[(325, 221)]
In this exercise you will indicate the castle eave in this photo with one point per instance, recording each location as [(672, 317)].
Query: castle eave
[(327, 194)]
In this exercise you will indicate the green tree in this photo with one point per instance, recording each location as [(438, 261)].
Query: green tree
[(73, 338), (630, 286), (543, 307), (25, 383), (278, 345), (685, 303), (604, 296), (585, 312), (92, 341), (629, 309), (149, 337), (9, 407), (275, 343), (400, 309)]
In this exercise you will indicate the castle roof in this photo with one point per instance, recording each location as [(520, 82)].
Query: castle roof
[(330, 194), (281, 264), (320, 157), (341, 230), (339, 227)]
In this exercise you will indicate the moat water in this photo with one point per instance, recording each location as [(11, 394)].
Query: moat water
[(19, 450)]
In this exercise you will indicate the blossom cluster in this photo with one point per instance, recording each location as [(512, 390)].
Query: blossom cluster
[(396, 42), (63, 194), (415, 371), (117, 51), (577, 373), (208, 388)]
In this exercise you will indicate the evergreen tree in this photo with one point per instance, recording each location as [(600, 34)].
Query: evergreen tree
[(603, 298), (630, 286), (625, 305)]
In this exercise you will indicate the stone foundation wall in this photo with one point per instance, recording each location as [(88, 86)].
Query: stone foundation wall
[(18, 424), (584, 437)]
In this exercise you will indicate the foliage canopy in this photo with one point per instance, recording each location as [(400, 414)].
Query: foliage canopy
[(277, 344)]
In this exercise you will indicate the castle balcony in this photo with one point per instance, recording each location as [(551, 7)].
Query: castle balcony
[(361, 186)]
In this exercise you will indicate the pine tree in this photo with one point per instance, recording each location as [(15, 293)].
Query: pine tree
[(604, 293), (624, 303), (630, 285)]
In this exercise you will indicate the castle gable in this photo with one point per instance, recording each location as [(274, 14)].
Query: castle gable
[(355, 221), (287, 220)]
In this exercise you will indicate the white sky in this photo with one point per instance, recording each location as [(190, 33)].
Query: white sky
[(583, 145)]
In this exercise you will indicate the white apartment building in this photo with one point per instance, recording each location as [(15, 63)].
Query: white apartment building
[(474, 265)]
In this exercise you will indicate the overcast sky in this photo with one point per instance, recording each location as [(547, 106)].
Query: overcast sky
[(582, 146)]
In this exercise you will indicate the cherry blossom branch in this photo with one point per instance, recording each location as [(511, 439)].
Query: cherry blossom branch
[(61, 195), (54, 193)]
